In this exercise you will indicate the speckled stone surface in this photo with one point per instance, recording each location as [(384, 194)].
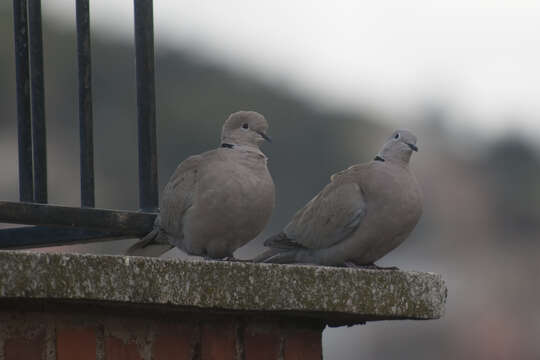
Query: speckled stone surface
[(335, 295)]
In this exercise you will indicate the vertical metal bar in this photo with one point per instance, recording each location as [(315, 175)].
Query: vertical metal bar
[(24, 126), (85, 103), (146, 108), (38, 101)]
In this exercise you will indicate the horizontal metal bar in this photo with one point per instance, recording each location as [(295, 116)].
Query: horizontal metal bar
[(22, 75), (41, 236), (146, 104), (124, 222), (85, 104), (37, 96)]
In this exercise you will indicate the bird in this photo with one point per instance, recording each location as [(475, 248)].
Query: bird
[(217, 201), (365, 211)]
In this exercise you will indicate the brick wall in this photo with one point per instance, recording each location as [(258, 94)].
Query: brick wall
[(64, 335), (72, 306)]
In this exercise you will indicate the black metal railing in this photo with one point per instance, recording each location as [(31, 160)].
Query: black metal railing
[(57, 225), (85, 103)]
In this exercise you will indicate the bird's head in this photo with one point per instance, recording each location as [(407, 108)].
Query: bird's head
[(399, 146), (245, 128)]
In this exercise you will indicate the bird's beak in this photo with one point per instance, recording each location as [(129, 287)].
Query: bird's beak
[(265, 137), (413, 147)]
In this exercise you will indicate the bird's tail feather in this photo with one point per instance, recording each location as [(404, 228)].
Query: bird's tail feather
[(154, 244), (283, 250), (281, 241), (265, 255), (277, 256)]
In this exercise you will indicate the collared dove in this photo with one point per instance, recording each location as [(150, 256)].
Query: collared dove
[(219, 200), (364, 212)]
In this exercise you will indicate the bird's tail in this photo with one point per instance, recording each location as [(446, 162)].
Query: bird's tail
[(282, 250), (281, 241), (277, 256), (154, 244)]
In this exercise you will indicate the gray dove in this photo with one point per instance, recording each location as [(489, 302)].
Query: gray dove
[(219, 200), (364, 212)]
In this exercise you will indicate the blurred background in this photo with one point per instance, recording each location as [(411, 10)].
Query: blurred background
[(333, 79)]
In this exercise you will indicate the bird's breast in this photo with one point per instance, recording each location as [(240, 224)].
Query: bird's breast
[(394, 198), (242, 192)]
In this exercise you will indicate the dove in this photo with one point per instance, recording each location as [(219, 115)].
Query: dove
[(219, 200), (364, 212)]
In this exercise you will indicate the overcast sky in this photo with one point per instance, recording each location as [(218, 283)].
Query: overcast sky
[(480, 58)]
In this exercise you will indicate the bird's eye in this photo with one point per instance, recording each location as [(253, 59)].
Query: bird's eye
[(396, 136), (245, 126)]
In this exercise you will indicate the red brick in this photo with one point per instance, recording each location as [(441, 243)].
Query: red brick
[(174, 342), (75, 343), (116, 349), (304, 344), (22, 348), (261, 344), (218, 341)]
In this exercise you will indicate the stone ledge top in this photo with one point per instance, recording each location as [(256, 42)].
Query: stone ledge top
[(337, 296)]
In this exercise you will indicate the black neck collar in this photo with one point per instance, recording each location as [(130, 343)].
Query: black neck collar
[(378, 158), (228, 146)]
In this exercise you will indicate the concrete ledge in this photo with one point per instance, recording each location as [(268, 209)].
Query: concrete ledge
[(335, 296)]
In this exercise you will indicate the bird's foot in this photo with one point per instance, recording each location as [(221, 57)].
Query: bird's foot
[(370, 266)]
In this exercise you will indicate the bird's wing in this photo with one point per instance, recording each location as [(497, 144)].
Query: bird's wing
[(329, 217), (178, 194)]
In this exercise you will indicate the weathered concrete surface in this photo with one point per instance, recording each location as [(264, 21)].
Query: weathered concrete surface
[(335, 295)]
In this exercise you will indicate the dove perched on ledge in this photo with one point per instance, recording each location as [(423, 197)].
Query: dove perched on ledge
[(219, 200), (364, 212)]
